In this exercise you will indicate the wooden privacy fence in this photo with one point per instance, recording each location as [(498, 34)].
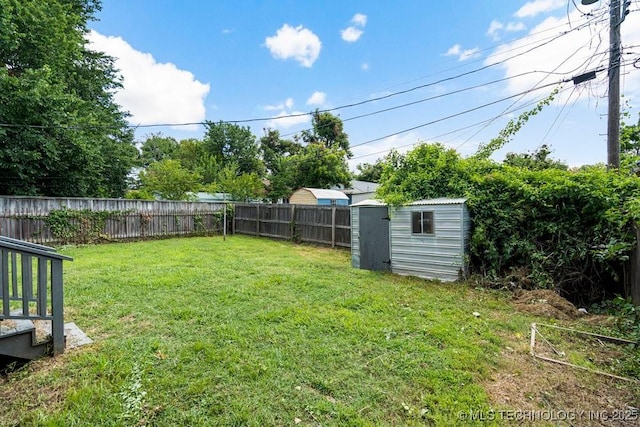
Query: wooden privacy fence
[(76, 220), (327, 225)]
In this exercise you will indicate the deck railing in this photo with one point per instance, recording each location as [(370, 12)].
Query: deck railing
[(31, 285)]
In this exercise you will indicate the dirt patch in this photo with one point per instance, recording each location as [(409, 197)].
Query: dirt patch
[(544, 303), (528, 387), (545, 393), (7, 325)]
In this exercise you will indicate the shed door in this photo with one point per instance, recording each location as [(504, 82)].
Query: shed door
[(374, 238)]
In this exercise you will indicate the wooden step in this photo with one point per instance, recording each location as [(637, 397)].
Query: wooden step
[(20, 341)]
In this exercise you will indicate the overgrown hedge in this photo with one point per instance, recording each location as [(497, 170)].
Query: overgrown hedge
[(551, 228)]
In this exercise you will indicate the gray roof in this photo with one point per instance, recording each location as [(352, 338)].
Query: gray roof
[(358, 187)]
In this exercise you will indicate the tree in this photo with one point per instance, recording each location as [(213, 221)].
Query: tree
[(243, 187), (316, 167), (321, 163), (229, 143), (320, 167), (157, 147), (373, 172), (273, 149), (537, 160), (193, 155), (630, 138), (62, 135), (428, 171), (169, 180), (327, 131)]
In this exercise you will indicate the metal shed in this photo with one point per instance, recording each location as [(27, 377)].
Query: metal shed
[(318, 196), (427, 238)]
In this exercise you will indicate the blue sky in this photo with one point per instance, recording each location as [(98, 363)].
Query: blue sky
[(190, 61)]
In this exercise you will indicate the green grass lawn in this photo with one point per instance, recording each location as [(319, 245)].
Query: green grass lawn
[(201, 331)]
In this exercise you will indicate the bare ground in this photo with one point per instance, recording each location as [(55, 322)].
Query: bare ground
[(534, 392)]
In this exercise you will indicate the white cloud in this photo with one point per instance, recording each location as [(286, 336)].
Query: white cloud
[(513, 27), (288, 104), (152, 92), (298, 43), (453, 50), (365, 66), (494, 29), (286, 120), (497, 28), (359, 19), (317, 98), (463, 55), (352, 33), (536, 7)]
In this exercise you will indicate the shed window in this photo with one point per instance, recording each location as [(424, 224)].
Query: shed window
[(422, 222)]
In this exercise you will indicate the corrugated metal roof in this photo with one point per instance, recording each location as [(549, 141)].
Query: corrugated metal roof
[(321, 193), (370, 202), (439, 201)]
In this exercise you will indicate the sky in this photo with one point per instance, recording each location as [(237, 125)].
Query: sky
[(397, 73)]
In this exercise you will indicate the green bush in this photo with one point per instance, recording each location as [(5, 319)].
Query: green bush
[(567, 230)]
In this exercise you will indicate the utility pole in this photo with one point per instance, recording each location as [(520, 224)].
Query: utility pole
[(615, 50), (613, 125)]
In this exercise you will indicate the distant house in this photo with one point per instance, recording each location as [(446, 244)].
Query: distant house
[(318, 196), (359, 190)]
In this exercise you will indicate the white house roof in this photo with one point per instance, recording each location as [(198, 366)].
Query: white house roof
[(321, 193)]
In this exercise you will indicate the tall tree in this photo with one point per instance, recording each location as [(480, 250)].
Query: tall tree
[(273, 149), (328, 131), (320, 163), (61, 132), (193, 155), (372, 172), (320, 167), (157, 147), (229, 143)]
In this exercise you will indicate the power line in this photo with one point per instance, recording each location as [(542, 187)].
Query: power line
[(459, 113), (490, 120), (355, 104)]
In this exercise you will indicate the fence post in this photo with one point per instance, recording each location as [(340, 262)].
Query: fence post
[(233, 221), (257, 220), (292, 223), (333, 226)]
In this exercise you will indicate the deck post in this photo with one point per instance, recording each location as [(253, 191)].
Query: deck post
[(57, 307)]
